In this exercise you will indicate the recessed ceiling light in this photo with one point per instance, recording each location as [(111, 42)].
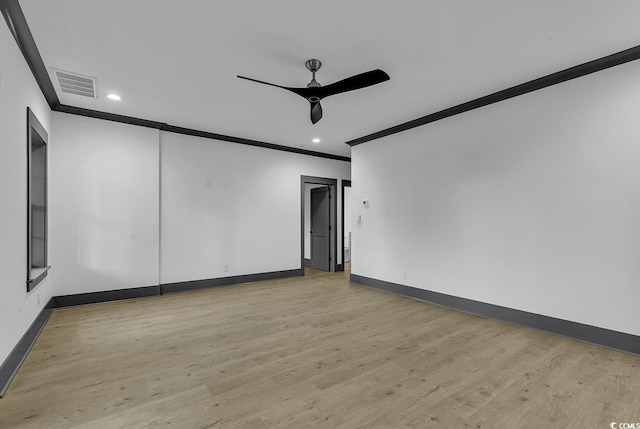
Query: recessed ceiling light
[(316, 140), (114, 97)]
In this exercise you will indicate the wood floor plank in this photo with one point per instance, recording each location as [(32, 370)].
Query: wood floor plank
[(310, 352)]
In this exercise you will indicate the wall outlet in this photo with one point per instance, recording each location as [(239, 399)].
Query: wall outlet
[(226, 268), (404, 275)]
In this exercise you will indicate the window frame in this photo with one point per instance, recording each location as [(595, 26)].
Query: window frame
[(36, 134)]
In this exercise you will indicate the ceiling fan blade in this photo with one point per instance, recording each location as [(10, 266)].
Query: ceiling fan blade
[(260, 81), (358, 81), (303, 92), (314, 93), (316, 112)]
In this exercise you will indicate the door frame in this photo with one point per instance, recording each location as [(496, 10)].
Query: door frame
[(333, 218), (345, 184)]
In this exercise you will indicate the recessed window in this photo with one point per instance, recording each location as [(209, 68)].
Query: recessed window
[(37, 237)]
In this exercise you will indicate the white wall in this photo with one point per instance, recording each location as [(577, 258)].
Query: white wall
[(532, 203), (104, 202), (229, 204), (218, 203), (18, 90)]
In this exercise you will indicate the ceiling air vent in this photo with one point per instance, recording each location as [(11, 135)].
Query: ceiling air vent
[(72, 83)]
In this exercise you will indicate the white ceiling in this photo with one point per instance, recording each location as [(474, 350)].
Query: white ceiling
[(177, 61)]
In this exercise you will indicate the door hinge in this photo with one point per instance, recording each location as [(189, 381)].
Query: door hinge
[(329, 258), (329, 227)]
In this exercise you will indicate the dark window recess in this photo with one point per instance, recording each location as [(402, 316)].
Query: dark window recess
[(37, 236)]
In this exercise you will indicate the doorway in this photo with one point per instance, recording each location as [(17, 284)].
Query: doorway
[(318, 232), (346, 226)]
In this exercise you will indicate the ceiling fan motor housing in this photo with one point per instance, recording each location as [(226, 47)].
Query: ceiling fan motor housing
[(313, 66)]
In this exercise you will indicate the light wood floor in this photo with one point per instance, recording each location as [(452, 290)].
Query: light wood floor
[(306, 353)]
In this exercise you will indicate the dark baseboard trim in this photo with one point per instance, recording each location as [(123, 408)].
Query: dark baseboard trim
[(14, 361), (339, 267), (147, 291), (615, 340), (228, 281), (307, 262), (12, 364), (104, 296)]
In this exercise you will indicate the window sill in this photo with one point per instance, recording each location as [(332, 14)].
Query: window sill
[(36, 276)]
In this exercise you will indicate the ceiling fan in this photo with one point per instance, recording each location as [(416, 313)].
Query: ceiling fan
[(314, 92)]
